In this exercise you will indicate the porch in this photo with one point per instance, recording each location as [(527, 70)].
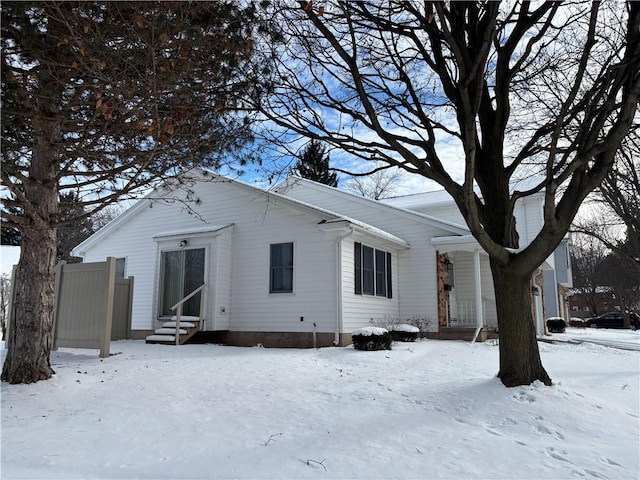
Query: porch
[(466, 334)]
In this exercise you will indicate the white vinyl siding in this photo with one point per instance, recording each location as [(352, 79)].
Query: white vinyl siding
[(238, 273), (221, 269), (416, 292), (359, 310), (314, 293)]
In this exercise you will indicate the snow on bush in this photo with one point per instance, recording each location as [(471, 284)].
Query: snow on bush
[(556, 324), (403, 327), (389, 322), (366, 331), (371, 338), (403, 332)]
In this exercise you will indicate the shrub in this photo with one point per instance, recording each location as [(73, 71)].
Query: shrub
[(371, 338), (390, 323), (402, 332), (421, 323), (556, 325), (384, 322)]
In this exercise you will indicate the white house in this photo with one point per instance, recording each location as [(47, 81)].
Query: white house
[(299, 265), (554, 277)]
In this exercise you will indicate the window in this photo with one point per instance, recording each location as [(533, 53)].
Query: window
[(381, 273), (281, 269), (182, 271), (367, 270), (120, 267), (372, 271)]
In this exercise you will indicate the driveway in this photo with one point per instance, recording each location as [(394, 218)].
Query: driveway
[(614, 338)]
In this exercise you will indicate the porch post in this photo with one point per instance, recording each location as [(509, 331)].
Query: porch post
[(478, 283)]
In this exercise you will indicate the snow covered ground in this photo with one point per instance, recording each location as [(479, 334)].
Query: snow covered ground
[(430, 409)]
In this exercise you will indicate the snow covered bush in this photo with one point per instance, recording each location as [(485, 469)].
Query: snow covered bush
[(556, 324), (390, 323), (371, 338), (421, 323), (402, 332)]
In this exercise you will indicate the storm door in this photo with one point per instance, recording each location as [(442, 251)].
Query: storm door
[(181, 272)]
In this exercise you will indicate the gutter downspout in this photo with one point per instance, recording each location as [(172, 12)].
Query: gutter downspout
[(540, 326), (478, 282), (336, 339)]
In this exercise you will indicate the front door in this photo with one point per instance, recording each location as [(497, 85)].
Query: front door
[(181, 272)]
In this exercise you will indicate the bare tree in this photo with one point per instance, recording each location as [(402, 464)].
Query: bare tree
[(587, 259), (103, 99), (106, 215), (614, 217), (381, 183), (546, 91), (618, 273)]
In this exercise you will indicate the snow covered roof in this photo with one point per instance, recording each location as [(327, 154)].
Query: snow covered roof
[(436, 198), (273, 196), (288, 184), (433, 198), (361, 227), (456, 242)]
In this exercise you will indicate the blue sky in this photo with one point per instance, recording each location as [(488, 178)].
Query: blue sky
[(8, 257)]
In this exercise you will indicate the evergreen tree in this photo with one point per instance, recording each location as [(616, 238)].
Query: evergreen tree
[(313, 164), (74, 228), (106, 99)]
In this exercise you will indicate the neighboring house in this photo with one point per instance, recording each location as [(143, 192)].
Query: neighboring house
[(560, 278), (299, 265), (584, 304), (554, 278)]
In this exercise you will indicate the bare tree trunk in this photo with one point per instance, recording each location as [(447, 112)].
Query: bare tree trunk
[(30, 335), (520, 362)]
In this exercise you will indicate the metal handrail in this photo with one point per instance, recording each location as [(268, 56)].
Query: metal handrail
[(178, 306)]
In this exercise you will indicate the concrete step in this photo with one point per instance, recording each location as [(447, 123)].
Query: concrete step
[(182, 325), (170, 331), (161, 339), (166, 334)]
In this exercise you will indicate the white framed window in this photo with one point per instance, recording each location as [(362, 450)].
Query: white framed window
[(372, 270), (121, 264), (281, 268)]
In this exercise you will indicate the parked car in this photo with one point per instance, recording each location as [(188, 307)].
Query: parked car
[(613, 320), (556, 324)]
